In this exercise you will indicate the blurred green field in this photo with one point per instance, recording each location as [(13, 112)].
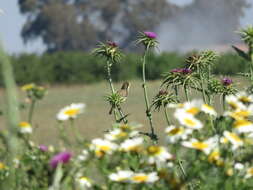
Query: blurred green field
[(95, 120)]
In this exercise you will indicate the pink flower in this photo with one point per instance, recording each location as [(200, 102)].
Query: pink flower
[(226, 81), (43, 148), (62, 157), (150, 34)]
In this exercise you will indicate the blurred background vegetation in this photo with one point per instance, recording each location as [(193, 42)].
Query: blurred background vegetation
[(83, 68)]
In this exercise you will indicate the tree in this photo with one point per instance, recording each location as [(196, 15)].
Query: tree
[(80, 24)]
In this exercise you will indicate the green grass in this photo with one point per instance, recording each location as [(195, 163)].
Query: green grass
[(95, 120)]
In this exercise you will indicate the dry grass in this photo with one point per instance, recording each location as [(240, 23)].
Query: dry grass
[(95, 120)]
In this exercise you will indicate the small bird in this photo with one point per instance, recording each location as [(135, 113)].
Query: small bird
[(123, 92)]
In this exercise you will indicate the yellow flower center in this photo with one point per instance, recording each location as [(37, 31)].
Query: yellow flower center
[(193, 110), (27, 87), (71, 112), (241, 123), (104, 148), (207, 107), (24, 124), (234, 137), (99, 153), (154, 150), (244, 99), (214, 156), (200, 145), (250, 171), (2, 166), (190, 122), (233, 105), (140, 178), (176, 131)]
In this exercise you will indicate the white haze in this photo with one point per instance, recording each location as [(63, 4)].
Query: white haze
[(174, 36)]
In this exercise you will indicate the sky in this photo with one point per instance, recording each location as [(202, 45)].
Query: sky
[(11, 23)]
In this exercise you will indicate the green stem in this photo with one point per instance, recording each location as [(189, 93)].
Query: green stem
[(31, 110), (184, 173), (14, 146), (186, 94), (202, 85), (75, 131), (224, 102), (176, 92), (148, 112), (63, 135), (122, 114), (111, 85), (166, 115)]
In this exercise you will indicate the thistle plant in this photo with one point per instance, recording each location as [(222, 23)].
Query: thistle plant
[(148, 39), (202, 64), (181, 77), (247, 37), (162, 99), (33, 93), (112, 55)]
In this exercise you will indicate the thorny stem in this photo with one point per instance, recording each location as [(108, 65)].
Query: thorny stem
[(166, 115), (153, 136), (186, 93), (113, 91), (202, 84), (122, 114), (111, 85), (31, 110)]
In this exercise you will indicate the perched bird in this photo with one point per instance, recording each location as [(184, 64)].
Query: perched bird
[(123, 92)]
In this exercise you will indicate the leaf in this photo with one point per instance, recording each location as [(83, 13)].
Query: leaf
[(241, 53)]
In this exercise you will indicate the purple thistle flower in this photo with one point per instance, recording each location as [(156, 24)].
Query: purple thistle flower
[(113, 44), (176, 70), (226, 81), (62, 157), (152, 35), (186, 71), (43, 148)]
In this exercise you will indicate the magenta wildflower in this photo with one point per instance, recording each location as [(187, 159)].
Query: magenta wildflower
[(186, 71), (226, 81), (150, 34), (176, 70), (62, 157), (43, 148), (113, 44)]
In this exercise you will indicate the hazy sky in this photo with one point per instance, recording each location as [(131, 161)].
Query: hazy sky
[(11, 23)]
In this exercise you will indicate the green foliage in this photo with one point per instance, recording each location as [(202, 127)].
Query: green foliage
[(78, 67)]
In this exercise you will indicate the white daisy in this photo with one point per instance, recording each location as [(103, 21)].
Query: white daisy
[(208, 109), (132, 144), (144, 178), (174, 134), (25, 128), (158, 154), (188, 120), (233, 139), (244, 97), (234, 103), (205, 146), (84, 182), (238, 166), (102, 147), (116, 134), (121, 176), (70, 112), (243, 126)]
